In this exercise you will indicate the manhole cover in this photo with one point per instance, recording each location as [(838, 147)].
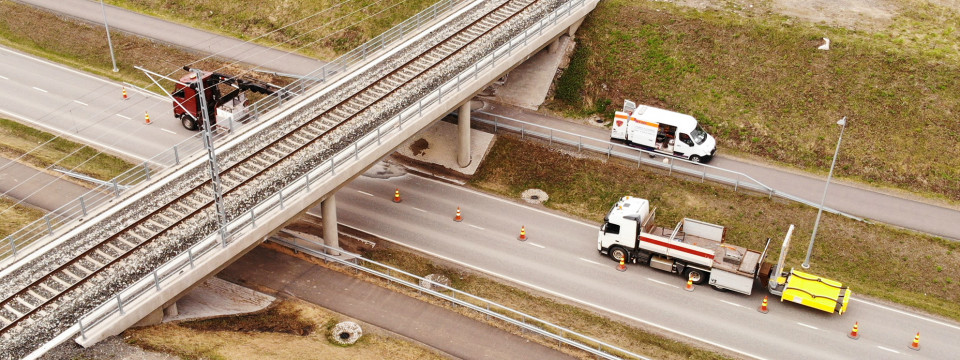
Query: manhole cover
[(346, 333), (534, 196)]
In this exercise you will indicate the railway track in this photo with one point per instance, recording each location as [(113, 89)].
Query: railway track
[(44, 294)]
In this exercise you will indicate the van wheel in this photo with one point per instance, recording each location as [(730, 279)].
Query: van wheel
[(188, 122), (695, 275), (696, 158), (618, 253)]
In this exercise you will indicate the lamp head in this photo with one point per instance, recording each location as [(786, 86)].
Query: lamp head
[(842, 122)]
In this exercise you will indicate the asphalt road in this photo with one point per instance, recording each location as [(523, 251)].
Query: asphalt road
[(560, 258)]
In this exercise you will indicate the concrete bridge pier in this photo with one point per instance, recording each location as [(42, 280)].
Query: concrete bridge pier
[(572, 30), (328, 211), (463, 126)]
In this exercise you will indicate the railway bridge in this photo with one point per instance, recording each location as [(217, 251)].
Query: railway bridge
[(134, 258)]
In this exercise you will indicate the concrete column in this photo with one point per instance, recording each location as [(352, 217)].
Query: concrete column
[(331, 237), (463, 124), (573, 28), (171, 311), (554, 46)]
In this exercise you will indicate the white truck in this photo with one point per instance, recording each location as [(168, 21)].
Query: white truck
[(697, 250), (662, 131), (694, 249)]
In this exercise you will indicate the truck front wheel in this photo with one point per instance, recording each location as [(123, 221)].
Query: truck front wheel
[(188, 122), (618, 253), (697, 276), (696, 158)]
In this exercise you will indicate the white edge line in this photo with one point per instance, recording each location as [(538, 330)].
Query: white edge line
[(419, 209), (365, 193), (809, 326), (554, 293), (731, 303), (50, 63), (168, 131), (476, 227), (539, 246), (59, 132), (591, 261), (662, 283), (594, 225), (887, 349), (907, 314), (81, 102)]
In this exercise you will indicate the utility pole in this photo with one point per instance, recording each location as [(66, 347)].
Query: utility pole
[(806, 262), (212, 158), (110, 43)]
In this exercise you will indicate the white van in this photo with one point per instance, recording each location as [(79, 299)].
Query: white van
[(663, 131)]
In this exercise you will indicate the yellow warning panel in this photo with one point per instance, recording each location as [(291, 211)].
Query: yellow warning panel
[(816, 292)]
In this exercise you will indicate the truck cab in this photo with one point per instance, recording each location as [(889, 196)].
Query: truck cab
[(663, 131), (621, 225)]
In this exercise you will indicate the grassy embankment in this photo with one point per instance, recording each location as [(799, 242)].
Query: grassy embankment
[(886, 263), (290, 330), (757, 82), (326, 30)]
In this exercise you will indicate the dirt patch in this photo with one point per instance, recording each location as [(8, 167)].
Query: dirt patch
[(278, 319), (419, 147)]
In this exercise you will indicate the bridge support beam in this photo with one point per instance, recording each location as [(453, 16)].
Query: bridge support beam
[(328, 210), (573, 28), (463, 125)]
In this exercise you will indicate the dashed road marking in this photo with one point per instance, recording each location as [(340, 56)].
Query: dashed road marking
[(663, 283), (890, 350), (809, 326), (81, 102), (539, 246), (4, 77), (168, 131), (125, 117), (591, 261), (39, 89), (475, 227), (734, 304), (365, 193), (419, 209)]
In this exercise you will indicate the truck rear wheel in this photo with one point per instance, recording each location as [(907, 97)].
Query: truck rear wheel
[(188, 122), (618, 253), (697, 276)]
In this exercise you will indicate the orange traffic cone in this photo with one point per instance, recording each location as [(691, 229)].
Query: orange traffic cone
[(396, 196), (689, 285), (146, 117), (458, 218), (854, 334), (763, 306), (124, 93), (523, 233), (622, 266), (916, 343)]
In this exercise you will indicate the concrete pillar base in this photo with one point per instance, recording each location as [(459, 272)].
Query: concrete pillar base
[(153, 318), (573, 28), (555, 46), (171, 311), (463, 127)]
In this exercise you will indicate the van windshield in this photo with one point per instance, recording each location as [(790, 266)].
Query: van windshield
[(698, 135)]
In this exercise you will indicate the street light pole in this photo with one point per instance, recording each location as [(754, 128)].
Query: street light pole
[(109, 42), (843, 125)]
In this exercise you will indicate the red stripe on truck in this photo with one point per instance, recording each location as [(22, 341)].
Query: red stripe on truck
[(677, 247)]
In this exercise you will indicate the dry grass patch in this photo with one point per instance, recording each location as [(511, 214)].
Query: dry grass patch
[(327, 29), (757, 82), (293, 329), (896, 265), (16, 216)]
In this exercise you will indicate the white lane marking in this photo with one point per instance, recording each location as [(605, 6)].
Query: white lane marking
[(419, 209), (734, 304), (39, 89), (124, 117), (365, 193), (539, 246), (907, 314), (890, 350), (475, 227), (75, 136), (81, 102), (554, 293), (663, 283), (4, 77), (168, 131), (809, 326), (591, 261), (597, 224)]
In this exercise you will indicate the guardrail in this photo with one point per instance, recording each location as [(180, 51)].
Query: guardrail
[(13, 246), (326, 170), (481, 305), (642, 157)]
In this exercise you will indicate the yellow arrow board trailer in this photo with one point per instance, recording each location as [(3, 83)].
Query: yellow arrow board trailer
[(816, 292)]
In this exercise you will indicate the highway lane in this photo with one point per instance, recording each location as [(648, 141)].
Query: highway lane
[(89, 109), (560, 258)]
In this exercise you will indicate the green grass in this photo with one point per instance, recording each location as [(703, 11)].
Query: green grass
[(16, 217), (758, 84), (896, 265), (42, 149), (326, 31)]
